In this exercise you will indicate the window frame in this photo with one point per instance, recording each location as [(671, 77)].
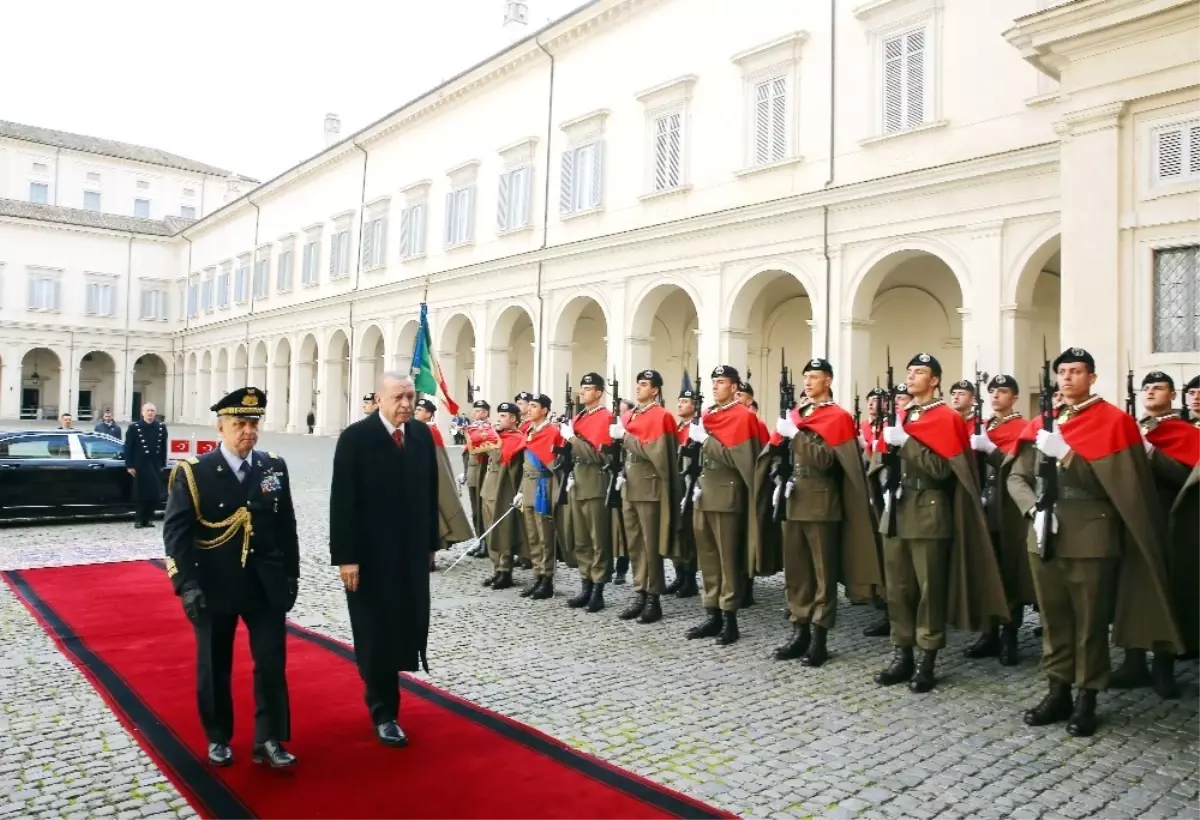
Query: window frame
[(1155, 297), (45, 186), (54, 277), (887, 21)]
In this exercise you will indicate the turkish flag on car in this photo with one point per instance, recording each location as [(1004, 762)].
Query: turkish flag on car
[(180, 445), (203, 447)]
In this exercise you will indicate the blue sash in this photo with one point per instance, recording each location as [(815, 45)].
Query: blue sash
[(541, 498)]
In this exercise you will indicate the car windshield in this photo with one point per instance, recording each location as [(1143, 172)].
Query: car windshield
[(43, 446)]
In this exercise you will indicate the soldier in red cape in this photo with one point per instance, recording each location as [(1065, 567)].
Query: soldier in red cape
[(537, 499), (453, 526), (684, 552), (588, 434)]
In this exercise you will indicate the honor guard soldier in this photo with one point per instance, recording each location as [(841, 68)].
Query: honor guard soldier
[(232, 552), (1006, 523), (501, 490), (684, 585), (828, 528), (1097, 556), (726, 529), (475, 464), (651, 495), (145, 458), (745, 395), (939, 525), (1191, 400), (369, 404), (537, 501), (452, 519), (588, 435), (962, 399)]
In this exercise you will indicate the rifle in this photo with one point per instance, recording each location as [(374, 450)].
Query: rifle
[(781, 469), (981, 378), (564, 463), (857, 411), (613, 453), (1130, 401), (891, 459), (1047, 473), (689, 457), (1183, 405)]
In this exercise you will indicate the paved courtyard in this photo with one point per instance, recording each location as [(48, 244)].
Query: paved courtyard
[(727, 725)]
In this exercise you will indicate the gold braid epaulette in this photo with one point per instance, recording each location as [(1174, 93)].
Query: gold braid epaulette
[(239, 520)]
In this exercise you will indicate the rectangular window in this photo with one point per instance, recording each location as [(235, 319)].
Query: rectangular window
[(309, 274), (904, 81), (668, 151), (339, 255), (223, 287), (206, 295), (770, 120), (154, 305), (512, 208), (374, 243), (141, 208), (1177, 152), (283, 272), (241, 282), (262, 273), (44, 293), (187, 211), (91, 200), (143, 185), (581, 186), (1177, 300), (460, 216), (101, 299), (412, 231), (193, 299), (39, 193)]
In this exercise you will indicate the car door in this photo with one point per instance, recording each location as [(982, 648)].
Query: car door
[(104, 481), (35, 474)]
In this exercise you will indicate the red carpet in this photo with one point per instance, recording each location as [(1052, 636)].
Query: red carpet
[(123, 627)]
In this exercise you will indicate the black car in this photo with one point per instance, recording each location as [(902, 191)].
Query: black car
[(65, 474)]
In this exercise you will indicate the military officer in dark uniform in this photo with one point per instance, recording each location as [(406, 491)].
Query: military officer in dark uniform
[(232, 552), (145, 457)]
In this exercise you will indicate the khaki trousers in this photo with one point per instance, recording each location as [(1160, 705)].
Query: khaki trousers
[(810, 569), (719, 539), (592, 526), (917, 579), (501, 560), (539, 529), (641, 532), (1076, 598)]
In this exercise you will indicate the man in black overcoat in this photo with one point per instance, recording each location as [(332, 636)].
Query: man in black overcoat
[(383, 526), (145, 457)]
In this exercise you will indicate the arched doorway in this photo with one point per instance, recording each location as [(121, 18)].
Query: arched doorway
[(308, 389), (240, 372), (258, 367), (41, 384), (769, 320), (456, 354), (1032, 320), (663, 337), (149, 384), (191, 386), (406, 342), (580, 346), (370, 363), (97, 386), (337, 383), (220, 379), (511, 349), (204, 384), (279, 389)]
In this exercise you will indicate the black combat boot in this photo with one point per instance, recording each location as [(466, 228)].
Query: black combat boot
[(1009, 654), (880, 629), (986, 646), (729, 629), (505, 581), (1082, 722), (491, 579), (1055, 707), (923, 681), (690, 588), (1132, 673), (634, 609), (708, 628), (652, 612), (797, 645), (817, 653), (677, 584), (596, 602), (748, 593), (1163, 673), (899, 670), (529, 590), (622, 568), (585, 595), (544, 590)]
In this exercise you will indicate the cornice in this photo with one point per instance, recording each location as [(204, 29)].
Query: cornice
[(874, 8), (678, 88), (771, 50), (1089, 120)]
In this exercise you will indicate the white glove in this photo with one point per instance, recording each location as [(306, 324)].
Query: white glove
[(567, 429), (982, 444), (517, 499), (620, 483), (895, 436), (570, 482), (696, 494), (1146, 443), (786, 428), (1039, 520), (462, 479), (616, 431), (697, 433), (1052, 444), (787, 490)]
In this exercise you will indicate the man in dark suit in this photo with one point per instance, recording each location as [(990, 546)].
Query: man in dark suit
[(383, 526), (233, 552), (145, 456)]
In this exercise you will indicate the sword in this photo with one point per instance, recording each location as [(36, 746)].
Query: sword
[(474, 542)]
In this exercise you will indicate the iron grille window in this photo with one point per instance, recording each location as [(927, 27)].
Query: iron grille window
[(1177, 300)]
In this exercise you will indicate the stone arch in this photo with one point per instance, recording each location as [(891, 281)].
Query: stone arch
[(335, 397), (864, 285), (42, 388), (258, 367), (579, 345), (458, 352), (148, 384), (239, 369), (308, 362), (406, 340), (222, 377), (757, 277), (372, 360), (511, 341), (1033, 314), (98, 385), (662, 333), (279, 384)]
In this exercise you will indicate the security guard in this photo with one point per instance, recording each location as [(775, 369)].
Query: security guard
[(232, 552), (475, 466), (145, 458)]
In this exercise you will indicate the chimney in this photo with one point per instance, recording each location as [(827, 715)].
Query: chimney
[(516, 17), (333, 129), (233, 188)]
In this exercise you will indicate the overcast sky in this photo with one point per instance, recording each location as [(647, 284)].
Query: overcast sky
[(241, 84)]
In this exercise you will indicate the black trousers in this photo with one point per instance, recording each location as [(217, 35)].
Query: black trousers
[(378, 665), (145, 511), (214, 667)]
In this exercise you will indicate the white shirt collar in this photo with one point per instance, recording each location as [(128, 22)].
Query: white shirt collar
[(233, 459), (387, 425)]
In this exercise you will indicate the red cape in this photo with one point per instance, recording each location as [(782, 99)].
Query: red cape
[(764, 434), (512, 442), (543, 443), (651, 424), (735, 425), (683, 432), (593, 427), (867, 430), (1101, 430), (1177, 439), (1008, 435), (941, 430), (833, 424)]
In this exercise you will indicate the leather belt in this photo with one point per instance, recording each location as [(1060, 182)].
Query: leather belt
[(809, 472), (922, 484), (1076, 494), (532, 473)]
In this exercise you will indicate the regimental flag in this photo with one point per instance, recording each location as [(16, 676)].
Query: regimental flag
[(426, 374)]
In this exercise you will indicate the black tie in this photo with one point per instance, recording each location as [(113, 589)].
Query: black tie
[(243, 471)]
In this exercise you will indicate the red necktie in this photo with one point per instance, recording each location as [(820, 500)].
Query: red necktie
[(398, 437)]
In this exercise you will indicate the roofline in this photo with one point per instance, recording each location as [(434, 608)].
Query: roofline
[(351, 141), (214, 172)]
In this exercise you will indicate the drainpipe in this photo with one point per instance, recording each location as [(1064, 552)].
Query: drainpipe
[(362, 221), (541, 341), (832, 161), (251, 284), (128, 298), (187, 319)]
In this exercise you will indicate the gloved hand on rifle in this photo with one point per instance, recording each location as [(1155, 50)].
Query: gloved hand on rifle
[(895, 436), (616, 430), (194, 605), (697, 433), (1146, 443), (517, 499), (982, 444), (1039, 523), (786, 428), (1052, 444), (568, 430), (620, 482), (462, 479)]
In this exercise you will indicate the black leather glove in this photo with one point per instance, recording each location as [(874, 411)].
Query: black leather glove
[(293, 588), (193, 603)]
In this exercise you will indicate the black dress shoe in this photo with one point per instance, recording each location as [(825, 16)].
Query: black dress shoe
[(899, 670), (529, 590), (690, 588), (491, 579), (544, 590), (1133, 673), (596, 602), (924, 680), (1163, 672), (634, 609), (710, 627), (817, 652), (585, 595), (797, 645), (1055, 707), (622, 568), (1082, 722), (503, 581), (729, 629), (1009, 654), (880, 629), (219, 754), (675, 585), (390, 734), (651, 612), (272, 752)]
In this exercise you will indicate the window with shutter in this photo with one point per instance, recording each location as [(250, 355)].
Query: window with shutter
[(241, 289), (512, 208), (770, 120), (668, 151), (905, 80), (460, 216), (223, 289), (1177, 300), (283, 272), (1177, 152), (412, 231), (502, 197)]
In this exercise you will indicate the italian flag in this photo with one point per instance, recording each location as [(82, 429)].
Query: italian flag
[(426, 373)]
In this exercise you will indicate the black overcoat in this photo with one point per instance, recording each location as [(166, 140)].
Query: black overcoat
[(383, 516), (146, 452)]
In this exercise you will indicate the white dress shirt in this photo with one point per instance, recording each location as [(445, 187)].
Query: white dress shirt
[(391, 428), (234, 461)]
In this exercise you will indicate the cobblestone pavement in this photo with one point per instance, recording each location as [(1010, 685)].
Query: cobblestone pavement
[(726, 725)]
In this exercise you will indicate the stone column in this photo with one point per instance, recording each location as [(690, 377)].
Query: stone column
[(10, 384), (559, 361), (299, 401), (987, 288), (1020, 353), (855, 358), (637, 358), (325, 396), (971, 347)]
